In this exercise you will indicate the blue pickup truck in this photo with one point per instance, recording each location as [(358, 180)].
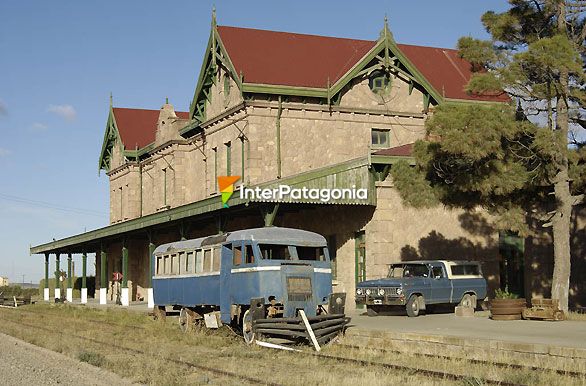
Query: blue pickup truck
[(415, 284)]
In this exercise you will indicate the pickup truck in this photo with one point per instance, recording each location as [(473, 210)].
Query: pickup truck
[(415, 284)]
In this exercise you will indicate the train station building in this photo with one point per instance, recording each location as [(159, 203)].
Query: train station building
[(322, 115)]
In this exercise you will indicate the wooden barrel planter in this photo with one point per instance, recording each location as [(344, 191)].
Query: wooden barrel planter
[(507, 309)]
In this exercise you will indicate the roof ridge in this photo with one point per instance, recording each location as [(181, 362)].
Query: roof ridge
[(297, 33)]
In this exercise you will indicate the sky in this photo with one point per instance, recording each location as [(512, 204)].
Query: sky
[(60, 60)]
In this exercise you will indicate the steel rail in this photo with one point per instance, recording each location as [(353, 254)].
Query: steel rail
[(577, 374), (140, 352)]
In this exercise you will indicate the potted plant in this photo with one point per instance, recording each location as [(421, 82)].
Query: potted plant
[(506, 305)]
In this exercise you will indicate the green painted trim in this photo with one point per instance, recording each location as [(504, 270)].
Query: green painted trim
[(103, 269), (278, 137), (213, 203), (151, 272), (124, 267), (284, 90), (390, 160), (228, 158), (83, 270), (47, 270), (242, 158), (465, 101), (69, 273), (107, 144)]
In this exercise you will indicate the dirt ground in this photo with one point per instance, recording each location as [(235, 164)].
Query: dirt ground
[(22, 363)]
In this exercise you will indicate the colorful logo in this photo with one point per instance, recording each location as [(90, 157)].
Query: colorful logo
[(226, 185)]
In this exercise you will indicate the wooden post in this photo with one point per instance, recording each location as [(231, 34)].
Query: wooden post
[(103, 276), (69, 279), (46, 289), (57, 276), (124, 298), (83, 278), (309, 330)]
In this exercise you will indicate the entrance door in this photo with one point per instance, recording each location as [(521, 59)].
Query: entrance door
[(512, 264)]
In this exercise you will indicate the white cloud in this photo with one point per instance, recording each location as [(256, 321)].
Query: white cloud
[(66, 112), (4, 152), (38, 126)]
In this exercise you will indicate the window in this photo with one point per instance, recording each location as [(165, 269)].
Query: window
[(175, 264), (167, 264), (228, 158), (207, 260), (190, 262), (249, 254), (438, 272), (160, 265), (380, 138), (275, 252), (311, 253), (379, 81), (236, 255), (199, 261), (216, 259), (415, 270), (465, 269), (226, 90)]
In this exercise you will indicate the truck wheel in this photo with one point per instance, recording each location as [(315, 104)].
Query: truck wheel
[(412, 306), (467, 301), (372, 310), (247, 331)]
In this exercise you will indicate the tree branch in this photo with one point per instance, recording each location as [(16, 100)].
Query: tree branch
[(579, 199)]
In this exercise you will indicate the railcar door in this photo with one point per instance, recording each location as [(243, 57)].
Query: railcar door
[(225, 269)]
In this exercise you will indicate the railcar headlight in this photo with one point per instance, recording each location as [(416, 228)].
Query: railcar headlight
[(399, 291), (358, 291), (368, 291), (381, 292)]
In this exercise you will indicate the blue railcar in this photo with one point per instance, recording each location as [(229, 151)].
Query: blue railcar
[(286, 269)]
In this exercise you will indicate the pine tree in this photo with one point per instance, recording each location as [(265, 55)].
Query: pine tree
[(514, 161)]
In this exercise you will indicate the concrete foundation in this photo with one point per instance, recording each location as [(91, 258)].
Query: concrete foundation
[(103, 296), (83, 295), (150, 298), (69, 295), (57, 293), (124, 298), (46, 294)]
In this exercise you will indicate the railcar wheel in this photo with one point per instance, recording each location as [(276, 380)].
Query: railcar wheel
[(185, 320), (412, 306), (467, 301), (247, 332)]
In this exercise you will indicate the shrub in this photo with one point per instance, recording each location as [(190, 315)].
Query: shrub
[(505, 294), (93, 358)]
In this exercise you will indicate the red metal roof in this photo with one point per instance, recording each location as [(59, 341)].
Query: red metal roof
[(138, 127), (398, 151), (291, 59)]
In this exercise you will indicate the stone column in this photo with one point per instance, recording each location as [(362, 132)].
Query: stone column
[(57, 277), (151, 299), (83, 278), (46, 289), (69, 279), (103, 276), (124, 296)]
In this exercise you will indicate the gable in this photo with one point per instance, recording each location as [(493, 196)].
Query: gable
[(132, 129)]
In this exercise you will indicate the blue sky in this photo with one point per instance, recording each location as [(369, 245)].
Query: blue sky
[(59, 61)]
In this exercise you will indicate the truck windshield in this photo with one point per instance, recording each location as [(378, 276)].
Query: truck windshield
[(409, 270)]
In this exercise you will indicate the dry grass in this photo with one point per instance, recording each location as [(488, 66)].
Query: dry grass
[(576, 316), (222, 349)]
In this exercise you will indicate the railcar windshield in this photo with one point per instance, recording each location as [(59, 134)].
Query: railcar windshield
[(288, 252)]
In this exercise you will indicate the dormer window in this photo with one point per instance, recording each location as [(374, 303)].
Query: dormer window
[(379, 81)]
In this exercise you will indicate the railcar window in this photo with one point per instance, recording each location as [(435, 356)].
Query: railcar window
[(275, 252), (249, 254), (167, 264), (198, 261), (311, 253), (465, 269), (216, 260), (236, 255), (160, 265), (190, 262), (175, 264), (182, 263), (207, 260)]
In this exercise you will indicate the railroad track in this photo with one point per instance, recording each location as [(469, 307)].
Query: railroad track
[(181, 362), (576, 374), (442, 375)]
